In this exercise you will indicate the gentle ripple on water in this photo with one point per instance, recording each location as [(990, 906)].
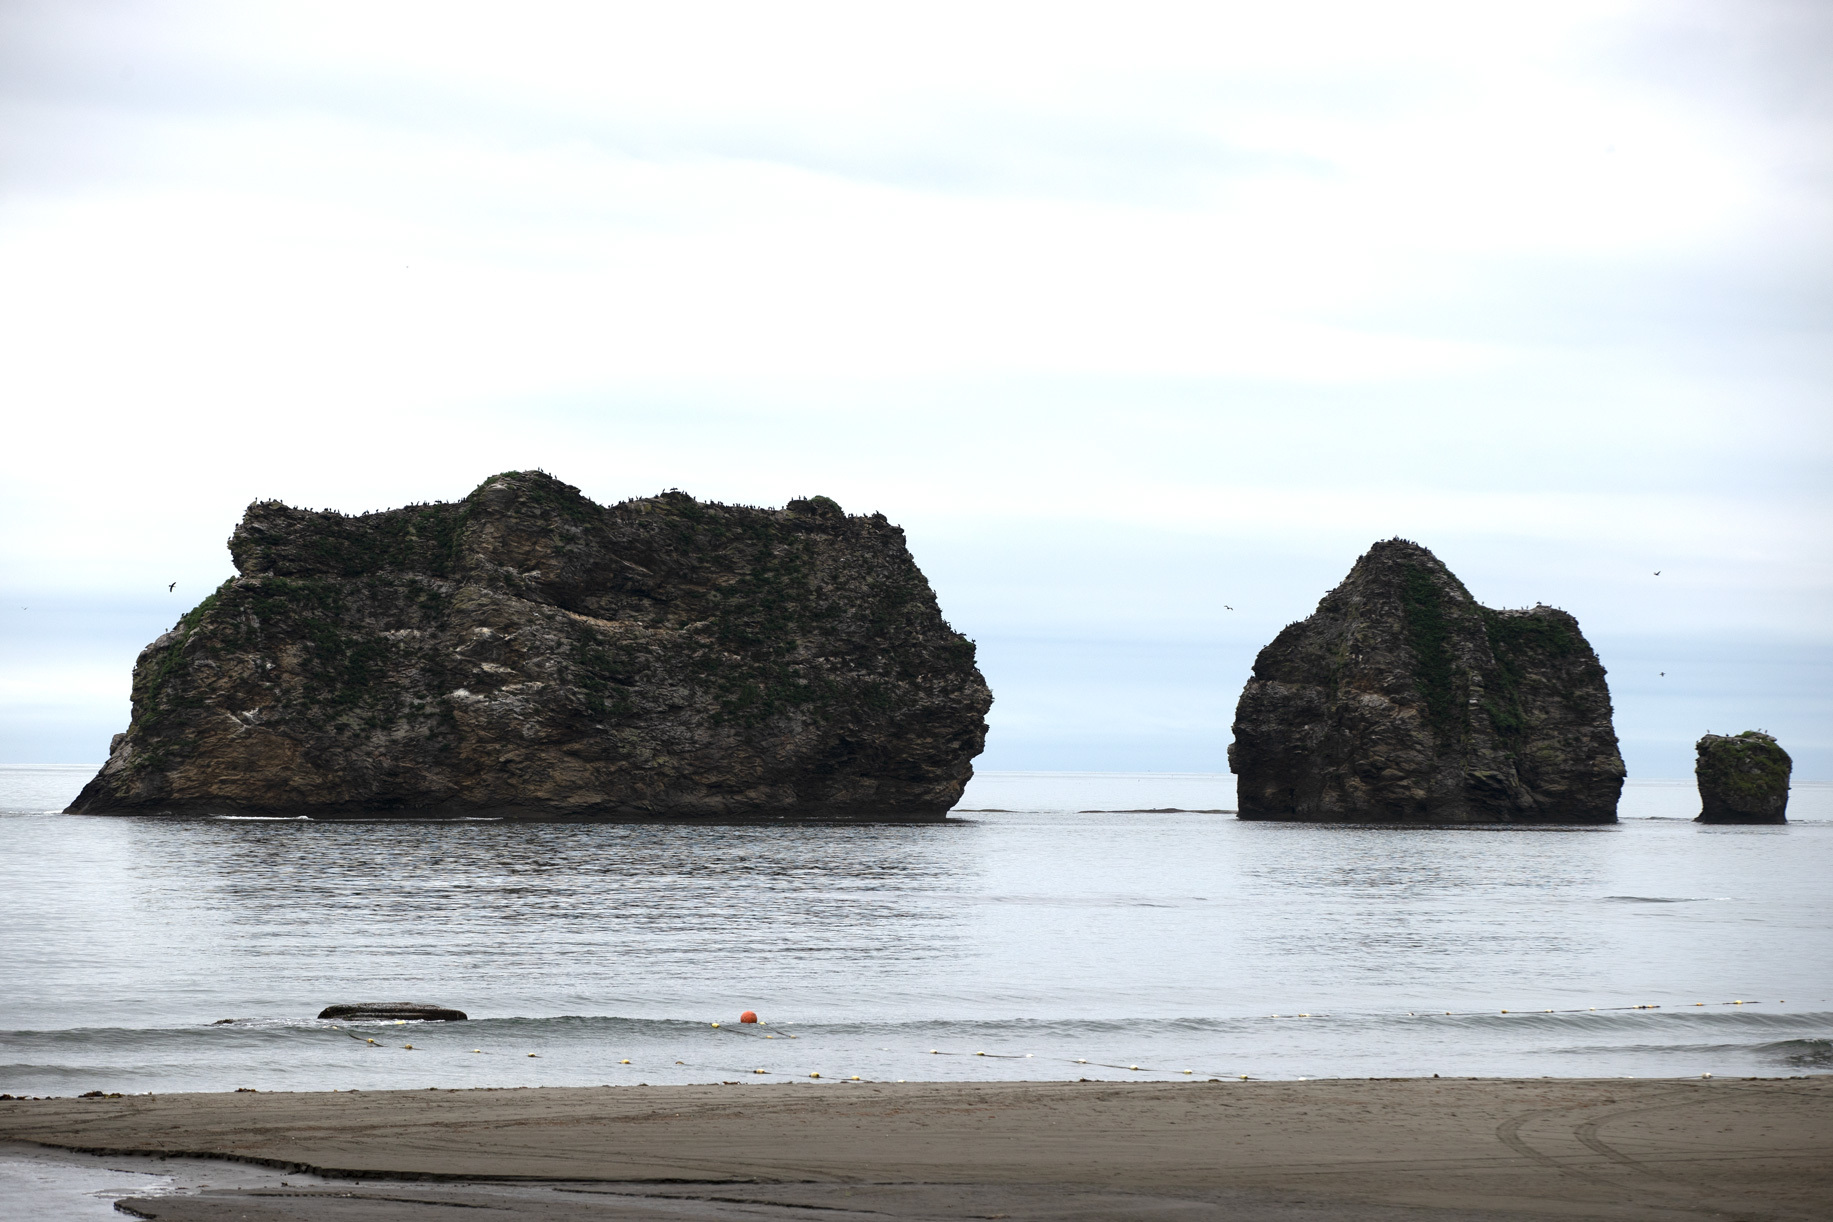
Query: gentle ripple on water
[(1033, 933)]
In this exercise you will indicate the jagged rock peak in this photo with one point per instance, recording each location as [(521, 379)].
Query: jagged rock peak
[(527, 652), (1402, 699), (1743, 778)]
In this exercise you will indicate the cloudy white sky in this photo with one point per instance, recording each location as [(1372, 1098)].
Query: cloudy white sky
[(1129, 313)]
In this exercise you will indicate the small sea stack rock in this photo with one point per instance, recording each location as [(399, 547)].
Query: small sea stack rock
[(1743, 778), (527, 653), (392, 1011), (1401, 699)]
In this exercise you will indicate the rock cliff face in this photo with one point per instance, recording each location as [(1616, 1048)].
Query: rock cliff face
[(1743, 778), (526, 652), (1403, 700)]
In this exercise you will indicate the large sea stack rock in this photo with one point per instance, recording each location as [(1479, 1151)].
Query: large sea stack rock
[(1743, 778), (1403, 700), (526, 652)]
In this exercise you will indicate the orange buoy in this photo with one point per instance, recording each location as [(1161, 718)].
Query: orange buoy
[(749, 1016)]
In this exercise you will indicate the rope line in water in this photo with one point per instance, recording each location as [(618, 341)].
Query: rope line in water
[(1576, 1010), (1025, 1056), (754, 1035)]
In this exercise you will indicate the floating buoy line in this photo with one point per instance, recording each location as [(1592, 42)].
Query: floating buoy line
[(747, 1033), (1575, 1010), (751, 1029)]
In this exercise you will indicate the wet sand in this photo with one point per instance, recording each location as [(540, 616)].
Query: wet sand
[(1291, 1151)]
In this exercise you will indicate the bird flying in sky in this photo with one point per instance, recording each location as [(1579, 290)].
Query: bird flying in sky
[(171, 587)]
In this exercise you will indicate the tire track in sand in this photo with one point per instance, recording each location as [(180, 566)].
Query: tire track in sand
[(1586, 1133)]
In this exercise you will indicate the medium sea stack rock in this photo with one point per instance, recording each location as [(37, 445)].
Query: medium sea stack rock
[(528, 653), (1403, 700), (1743, 778)]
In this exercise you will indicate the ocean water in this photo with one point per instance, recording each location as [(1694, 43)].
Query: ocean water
[(1057, 926)]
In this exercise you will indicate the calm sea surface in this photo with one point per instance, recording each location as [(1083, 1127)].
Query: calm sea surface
[(1058, 943)]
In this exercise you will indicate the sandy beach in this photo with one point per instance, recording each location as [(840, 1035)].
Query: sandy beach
[(1406, 1148)]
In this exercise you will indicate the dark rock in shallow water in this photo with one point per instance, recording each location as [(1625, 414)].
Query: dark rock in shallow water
[(388, 1011), (1403, 700), (1743, 778), (528, 653)]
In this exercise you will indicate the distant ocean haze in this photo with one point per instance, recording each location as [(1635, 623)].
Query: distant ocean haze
[(1060, 943)]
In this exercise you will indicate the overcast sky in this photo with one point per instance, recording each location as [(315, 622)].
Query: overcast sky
[(1129, 313)]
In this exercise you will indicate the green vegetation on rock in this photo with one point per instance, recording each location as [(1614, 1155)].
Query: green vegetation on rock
[(1522, 643), (1428, 634)]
